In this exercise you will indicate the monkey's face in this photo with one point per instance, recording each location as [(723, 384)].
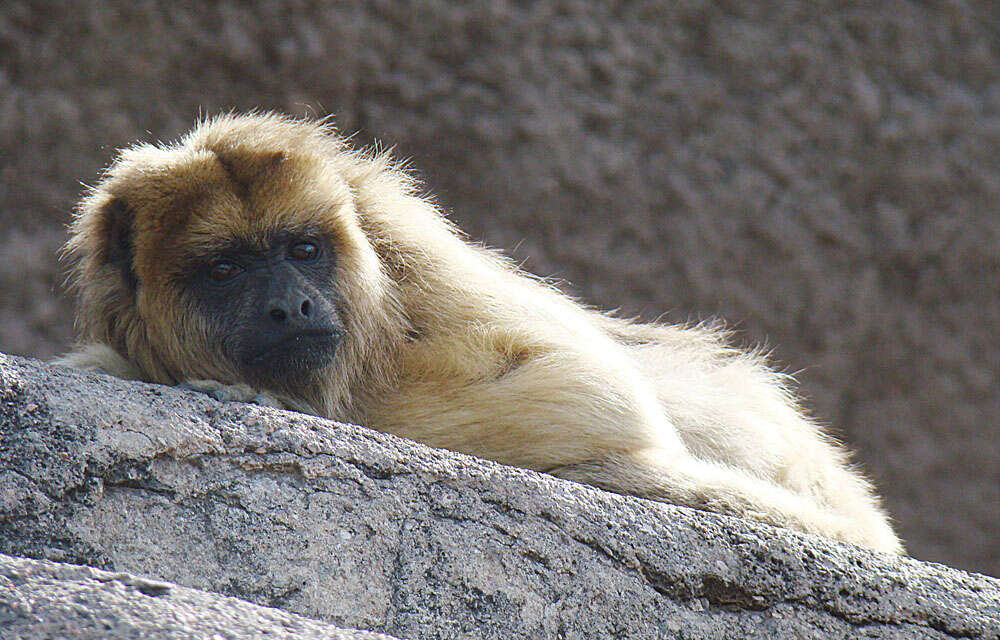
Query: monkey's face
[(270, 308), (237, 256), (236, 260)]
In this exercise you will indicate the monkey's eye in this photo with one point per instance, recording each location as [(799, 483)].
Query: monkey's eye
[(222, 271), (303, 251)]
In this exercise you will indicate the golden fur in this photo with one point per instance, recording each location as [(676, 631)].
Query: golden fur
[(446, 342)]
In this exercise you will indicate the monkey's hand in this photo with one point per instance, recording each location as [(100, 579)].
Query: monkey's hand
[(231, 392)]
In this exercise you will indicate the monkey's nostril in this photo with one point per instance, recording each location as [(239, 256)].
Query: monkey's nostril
[(278, 315), (306, 305)]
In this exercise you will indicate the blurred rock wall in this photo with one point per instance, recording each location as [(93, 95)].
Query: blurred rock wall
[(824, 176)]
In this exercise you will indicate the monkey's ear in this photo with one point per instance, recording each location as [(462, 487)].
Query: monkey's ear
[(117, 232)]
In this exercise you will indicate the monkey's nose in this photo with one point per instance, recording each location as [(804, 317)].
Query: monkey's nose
[(296, 309)]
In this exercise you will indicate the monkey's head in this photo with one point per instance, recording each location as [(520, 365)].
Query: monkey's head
[(237, 254)]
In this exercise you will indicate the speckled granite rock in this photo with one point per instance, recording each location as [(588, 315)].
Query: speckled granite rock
[(365, 530), (821, 175), (41, 600)]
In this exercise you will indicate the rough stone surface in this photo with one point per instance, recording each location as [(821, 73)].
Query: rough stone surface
[(42, 600), (822, 175), (364, 530)]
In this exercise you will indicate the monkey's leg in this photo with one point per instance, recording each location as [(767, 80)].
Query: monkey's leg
[(714, 487), (231, 392)]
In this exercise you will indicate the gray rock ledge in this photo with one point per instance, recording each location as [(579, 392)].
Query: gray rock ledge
[(360, 529), (40, 600)]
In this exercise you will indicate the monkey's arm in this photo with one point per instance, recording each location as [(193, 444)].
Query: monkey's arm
[(101, 357)]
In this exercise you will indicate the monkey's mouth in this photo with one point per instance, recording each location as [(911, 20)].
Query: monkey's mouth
[(296, 353)]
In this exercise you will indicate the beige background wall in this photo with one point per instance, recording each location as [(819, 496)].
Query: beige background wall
[(823, 175)]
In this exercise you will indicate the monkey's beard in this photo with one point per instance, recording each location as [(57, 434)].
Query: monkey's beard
[(290, 363)]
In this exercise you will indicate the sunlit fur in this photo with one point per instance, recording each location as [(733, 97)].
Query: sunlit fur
[(446, 342)]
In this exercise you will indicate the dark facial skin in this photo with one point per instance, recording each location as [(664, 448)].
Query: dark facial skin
[(272, 310)]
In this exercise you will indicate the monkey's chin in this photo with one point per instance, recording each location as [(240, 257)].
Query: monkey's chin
[(292, 359)]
